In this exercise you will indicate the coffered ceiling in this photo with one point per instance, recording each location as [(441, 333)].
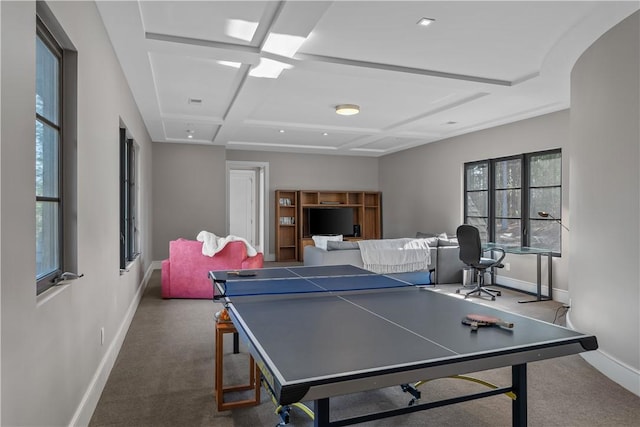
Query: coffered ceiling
[(267, 75)]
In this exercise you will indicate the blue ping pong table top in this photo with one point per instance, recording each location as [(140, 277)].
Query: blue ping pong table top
[(298, 280), (319, 345)]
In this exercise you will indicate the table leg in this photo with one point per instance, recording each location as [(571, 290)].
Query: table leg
[(550, 273), (321, 412), (519, 404), (539, 296)]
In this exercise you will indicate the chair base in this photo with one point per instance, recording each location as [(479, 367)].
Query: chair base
[(480, 290)]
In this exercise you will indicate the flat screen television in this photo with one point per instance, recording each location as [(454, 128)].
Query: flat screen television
[(330, 221)]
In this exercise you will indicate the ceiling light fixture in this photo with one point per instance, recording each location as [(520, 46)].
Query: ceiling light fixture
[(347, 109), (281, 131), (425, 21), (190, 133)]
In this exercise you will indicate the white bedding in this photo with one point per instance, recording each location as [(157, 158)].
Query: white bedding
[(212, 244), (395, 255)]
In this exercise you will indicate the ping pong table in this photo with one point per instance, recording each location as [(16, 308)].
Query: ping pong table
[(324, 331)]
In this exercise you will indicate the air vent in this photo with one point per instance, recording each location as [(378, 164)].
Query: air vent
[(196, 101)]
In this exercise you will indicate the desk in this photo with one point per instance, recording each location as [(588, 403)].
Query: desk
[(319, 332), (524, 250)]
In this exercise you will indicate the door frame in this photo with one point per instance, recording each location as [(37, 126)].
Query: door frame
[(262, 202)]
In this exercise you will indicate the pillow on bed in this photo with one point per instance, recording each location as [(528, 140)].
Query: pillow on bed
[(321, 241), (342, 246), (432, 239)]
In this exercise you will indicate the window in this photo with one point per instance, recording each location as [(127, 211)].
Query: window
[(503, 197), (49, 254), (128, 192), (545, 195), (55, 162)]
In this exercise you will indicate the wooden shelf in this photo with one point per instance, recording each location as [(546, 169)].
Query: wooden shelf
[(286, 225), (367, 213)]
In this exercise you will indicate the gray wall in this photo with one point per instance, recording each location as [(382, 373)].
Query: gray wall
[(52, 358), (605, 135), (190, 185), (423, 187), (188, 193)]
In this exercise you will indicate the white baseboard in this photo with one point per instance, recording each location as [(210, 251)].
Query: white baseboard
[(89, 401), (617, 371)]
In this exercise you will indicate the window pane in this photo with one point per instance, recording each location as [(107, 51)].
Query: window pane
[(545, 234), (478, 176), (508, 232), (477, 203), (483, 227), (47, 149), (508, 173), (545, 169), (47, 82), (508, 203), (546, 200), (47, 229)]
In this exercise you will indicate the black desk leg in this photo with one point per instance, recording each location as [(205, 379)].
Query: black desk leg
[(321, 412), (236, 343), (519, 405), (539, 296)]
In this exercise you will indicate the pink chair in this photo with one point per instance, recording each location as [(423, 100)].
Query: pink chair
[(186, 273)]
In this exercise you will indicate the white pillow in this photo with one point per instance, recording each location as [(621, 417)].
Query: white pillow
[(321, 241)]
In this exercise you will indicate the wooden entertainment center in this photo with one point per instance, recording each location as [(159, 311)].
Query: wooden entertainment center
[(292, 225)]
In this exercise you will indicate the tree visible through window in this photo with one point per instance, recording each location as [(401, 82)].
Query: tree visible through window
[(48, 154), (503, 197)]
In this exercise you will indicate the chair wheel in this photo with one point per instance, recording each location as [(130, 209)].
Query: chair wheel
[(499, 294), (457, 291), (493, 298)]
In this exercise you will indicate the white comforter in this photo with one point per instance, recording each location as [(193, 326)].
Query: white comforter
[(395, 255), (212, 244)]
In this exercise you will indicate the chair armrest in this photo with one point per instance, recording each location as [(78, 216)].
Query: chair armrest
[(498, 261), (253, 262)]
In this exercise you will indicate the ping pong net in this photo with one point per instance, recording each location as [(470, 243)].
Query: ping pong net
[(300, 280)]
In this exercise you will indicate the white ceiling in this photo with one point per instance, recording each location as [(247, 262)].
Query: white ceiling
[(480, 64)]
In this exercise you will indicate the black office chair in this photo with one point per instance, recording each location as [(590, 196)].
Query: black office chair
[(471, 254)]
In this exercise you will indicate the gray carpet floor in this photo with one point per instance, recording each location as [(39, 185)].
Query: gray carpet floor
[(164, 376)]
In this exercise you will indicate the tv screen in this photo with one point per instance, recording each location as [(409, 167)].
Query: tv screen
[(330, 221)]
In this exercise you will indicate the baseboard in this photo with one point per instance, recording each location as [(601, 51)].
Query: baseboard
[(617, 371), (89, 401)]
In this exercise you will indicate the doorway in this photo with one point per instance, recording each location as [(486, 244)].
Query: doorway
[(247, 213)]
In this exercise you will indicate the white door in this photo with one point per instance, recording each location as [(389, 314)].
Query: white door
[(242, 208)]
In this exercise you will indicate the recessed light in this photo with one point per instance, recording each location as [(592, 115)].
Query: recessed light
[(347, 109), (425, 21), (324, 134), (190, 133), (281, 131)]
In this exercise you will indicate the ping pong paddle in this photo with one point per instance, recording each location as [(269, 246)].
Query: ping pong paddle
[(477, 320), (241, 273)]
